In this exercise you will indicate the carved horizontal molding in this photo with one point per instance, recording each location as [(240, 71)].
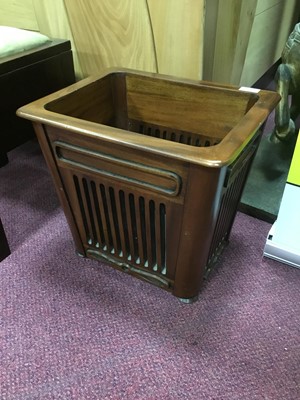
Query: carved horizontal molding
[(130, 172)]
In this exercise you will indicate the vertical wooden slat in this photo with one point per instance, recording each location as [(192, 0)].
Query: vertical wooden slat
[(163, 238), (85, 209), (114, 223), (77, 206), (108, 218), (119, 202), (91, 211), (98, 218), (142, 230), (152, 239), (129, 227), (103, 217), (148, 233), (139, 230), (158, 237)]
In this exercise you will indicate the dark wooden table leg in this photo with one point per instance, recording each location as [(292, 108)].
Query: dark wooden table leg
[(4, 248), (3, 159)]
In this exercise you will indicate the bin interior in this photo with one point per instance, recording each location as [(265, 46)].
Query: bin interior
[(191, 114)]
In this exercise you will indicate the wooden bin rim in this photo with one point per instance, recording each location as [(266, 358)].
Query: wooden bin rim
[(217, 156)]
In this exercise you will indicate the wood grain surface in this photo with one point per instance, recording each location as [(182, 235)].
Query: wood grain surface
[(19, 14), (53, 21), (112, 33), (234, 25), (178, 35), (271, 28), (228, 41)]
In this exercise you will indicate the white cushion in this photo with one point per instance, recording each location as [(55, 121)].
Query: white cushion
[(14, 40)]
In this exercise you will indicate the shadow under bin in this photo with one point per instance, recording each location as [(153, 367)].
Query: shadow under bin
[(150, 169)]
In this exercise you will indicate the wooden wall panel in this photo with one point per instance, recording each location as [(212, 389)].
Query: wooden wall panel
[(209, 42), (19, 14), (158, 36), (244, 38), (263, 5), (270, 31), (53, 21), (178, 35), (110, 33), (234, 25)]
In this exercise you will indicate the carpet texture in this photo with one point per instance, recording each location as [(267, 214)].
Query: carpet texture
[(72, 328)]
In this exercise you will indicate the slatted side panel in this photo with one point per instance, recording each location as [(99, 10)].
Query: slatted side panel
[(229, 203), (122, 224), (173, 135)]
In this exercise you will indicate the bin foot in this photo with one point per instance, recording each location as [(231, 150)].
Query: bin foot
[(189, 300)]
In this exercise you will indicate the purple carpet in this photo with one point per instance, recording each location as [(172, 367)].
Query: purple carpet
[(73, 328)]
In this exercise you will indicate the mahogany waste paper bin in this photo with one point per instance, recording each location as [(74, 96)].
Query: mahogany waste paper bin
[(149, 169)]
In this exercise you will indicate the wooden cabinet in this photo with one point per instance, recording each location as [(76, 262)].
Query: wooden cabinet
[(228, 41), (149, 35), (243, 38)]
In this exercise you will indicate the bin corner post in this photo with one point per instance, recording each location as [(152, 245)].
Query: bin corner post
[(41, 134), (202, 203)]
